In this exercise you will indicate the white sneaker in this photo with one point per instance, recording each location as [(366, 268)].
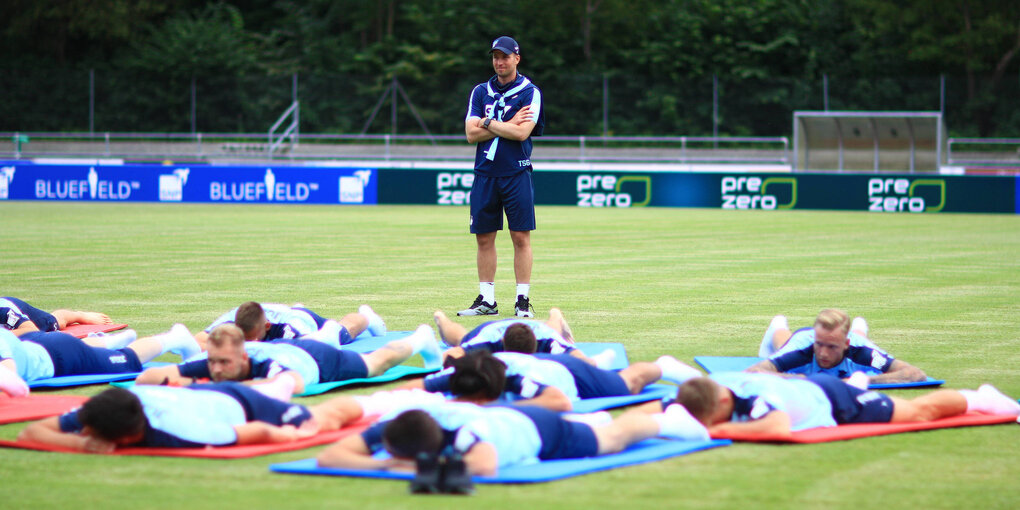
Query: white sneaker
[(480, 307), (767, 348), (859, 325)]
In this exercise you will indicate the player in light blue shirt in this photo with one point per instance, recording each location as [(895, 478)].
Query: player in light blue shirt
[(834, 346), (492, 437), (230, 358), (219, 414), (41, 355), (271, 321), (774, 405)]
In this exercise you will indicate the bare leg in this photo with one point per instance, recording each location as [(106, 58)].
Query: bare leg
[(624, 431), (639, 375), (202, 338), (66, 317), (334, 413), (147, 348), (935, 405), (387, 357), (450, 332), (355, 323), (522, 255), (486, 258), (559, 323)]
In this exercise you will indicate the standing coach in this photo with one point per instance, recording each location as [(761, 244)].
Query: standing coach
[(503, 113)]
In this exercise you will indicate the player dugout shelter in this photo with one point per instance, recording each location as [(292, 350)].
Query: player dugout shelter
[(868, 141)]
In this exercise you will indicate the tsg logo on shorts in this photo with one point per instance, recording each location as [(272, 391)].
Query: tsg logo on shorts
[(608, 190), (900, 194), (739, 192), (454, 188)]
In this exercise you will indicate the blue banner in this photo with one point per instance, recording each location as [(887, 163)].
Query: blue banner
[(151, 183)]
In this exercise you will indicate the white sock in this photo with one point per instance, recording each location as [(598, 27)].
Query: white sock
[(488, 291), (859, 325), (859, 380), (376, 326), (675, 371), (382, 402), (767, 348), (120, 339), (523, 288), (989, 400), (423, 341), (604, 359), (282, 388), (11, 383), (329, 333), (677, 423), (179, 341)]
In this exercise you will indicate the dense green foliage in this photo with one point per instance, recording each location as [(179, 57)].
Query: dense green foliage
[(659, 58)]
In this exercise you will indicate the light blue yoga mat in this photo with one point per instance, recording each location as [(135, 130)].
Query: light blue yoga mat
[(713, 364), (397, 372), (82, 380), (646, 451), (592, 348), (366, 343), (650, 393)]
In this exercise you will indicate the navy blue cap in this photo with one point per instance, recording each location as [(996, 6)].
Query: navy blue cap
[(506, 45)]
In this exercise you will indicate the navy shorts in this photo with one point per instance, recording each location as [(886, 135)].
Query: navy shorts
[(854, 405), (490, 196), (561, 439), (591, 381), (258, 407), (334, 364), (45, 321), (71, 356)]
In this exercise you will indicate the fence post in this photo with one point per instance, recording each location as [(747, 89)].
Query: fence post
[(715, 111), (605, 105), (92, 101), (825, 91), (194, 100)]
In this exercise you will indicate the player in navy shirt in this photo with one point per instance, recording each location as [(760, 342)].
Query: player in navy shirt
[(738, 402), (503, 114), (21, 317), (835, 346), (220, 414)]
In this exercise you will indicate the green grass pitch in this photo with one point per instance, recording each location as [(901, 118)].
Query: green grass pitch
[(938, 290)]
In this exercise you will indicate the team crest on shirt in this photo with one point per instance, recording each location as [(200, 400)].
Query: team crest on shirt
[(878, 361)]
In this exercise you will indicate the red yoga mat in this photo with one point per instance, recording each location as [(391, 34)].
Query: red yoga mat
[(856, 430), (83, 330), (214, 452), (35, 407)]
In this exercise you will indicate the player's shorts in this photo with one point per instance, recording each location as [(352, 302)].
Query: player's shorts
[(45, 321), (561, 439), (490, 196), (71, 356), (334, 364), (591, 381), (854, 405), (259, 407)]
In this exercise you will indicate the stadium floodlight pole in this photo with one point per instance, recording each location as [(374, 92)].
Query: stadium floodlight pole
[(92, 101), (715, 111), (825, 91)]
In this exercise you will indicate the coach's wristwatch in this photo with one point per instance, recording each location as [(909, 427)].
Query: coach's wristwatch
[(488, 121)]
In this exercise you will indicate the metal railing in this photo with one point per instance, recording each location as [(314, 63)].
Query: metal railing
[(291, 130), (984, 152), (228, 147)]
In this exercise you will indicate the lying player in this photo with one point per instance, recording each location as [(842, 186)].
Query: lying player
[(230, 358), (832, 346), (21, 317), (491, 437), (513, 335), (41, 355), (219, 414), (552, 381), (774, 405), (270, 321)]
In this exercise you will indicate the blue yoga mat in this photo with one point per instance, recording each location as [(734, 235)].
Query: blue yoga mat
[(650, 393), (82, 380), (397, 372), (366, 343), (713, 364), (592, 348), (640, 453)]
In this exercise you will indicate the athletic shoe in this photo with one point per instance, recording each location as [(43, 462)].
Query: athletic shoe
[(427, 477), (480, 307), (523, 307)]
